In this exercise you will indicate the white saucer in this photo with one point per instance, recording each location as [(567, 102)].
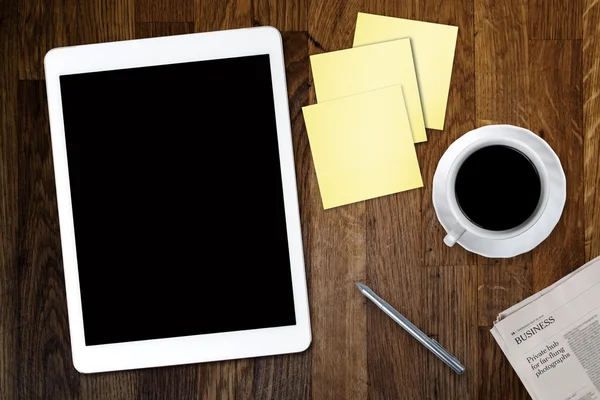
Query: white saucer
[(557, 193)]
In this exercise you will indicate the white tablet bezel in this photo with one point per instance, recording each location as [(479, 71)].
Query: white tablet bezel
[(161, 51)]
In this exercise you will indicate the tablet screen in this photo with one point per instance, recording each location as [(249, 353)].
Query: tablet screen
[(177, 200)]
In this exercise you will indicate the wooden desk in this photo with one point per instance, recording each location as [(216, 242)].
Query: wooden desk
[(534, 64)]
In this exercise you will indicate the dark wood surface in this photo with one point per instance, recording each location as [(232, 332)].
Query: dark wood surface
[(531, 63)]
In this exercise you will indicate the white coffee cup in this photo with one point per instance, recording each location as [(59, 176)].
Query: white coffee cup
[(462, 224)]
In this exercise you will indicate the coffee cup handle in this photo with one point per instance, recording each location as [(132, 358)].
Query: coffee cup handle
[(453, 235)]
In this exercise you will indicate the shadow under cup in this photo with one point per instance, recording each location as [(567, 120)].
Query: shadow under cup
[(498, 189)]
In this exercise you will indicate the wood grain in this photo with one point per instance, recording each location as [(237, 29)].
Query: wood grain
[(56, 23), (287, 15), (555, 19), (556, 91), (283, 377), (530, 63), (331, 25), (213, 15), (449, 311), (394, 260), (164, 11), (496, 378), (501, 59), (591, 126), (154, 29), (405, 9), (178, 382), (45, 23), (104, 21), (218, 380), (44, 369), (500, 285), (10, 319), (120, 385), (289, 377)]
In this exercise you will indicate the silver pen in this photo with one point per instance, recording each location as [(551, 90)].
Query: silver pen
[(415, 332)]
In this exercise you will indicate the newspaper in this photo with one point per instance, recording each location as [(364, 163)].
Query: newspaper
[(552, 339)]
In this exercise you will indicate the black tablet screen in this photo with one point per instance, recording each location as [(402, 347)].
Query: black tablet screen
[(177, 200)]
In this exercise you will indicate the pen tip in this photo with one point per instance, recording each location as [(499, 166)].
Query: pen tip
[(360, 285)]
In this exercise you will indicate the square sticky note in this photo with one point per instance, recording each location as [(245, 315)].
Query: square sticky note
[(347, 72), (433, 48), (362, 146)]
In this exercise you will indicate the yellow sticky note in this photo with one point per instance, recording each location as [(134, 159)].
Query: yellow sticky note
[(433, 48), (362, 146), (347, 72)]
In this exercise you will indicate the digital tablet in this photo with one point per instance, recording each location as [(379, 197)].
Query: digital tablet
[(177, 200)]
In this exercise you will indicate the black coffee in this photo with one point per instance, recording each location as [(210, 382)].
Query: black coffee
[(498, 188)]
